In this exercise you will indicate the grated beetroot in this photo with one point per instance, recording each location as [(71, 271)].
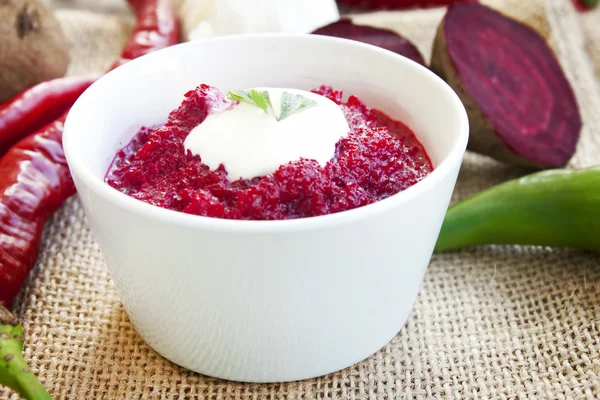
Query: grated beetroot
[(378, 158)]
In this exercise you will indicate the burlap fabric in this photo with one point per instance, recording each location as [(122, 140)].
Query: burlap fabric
[(591, 26), (493, 322)]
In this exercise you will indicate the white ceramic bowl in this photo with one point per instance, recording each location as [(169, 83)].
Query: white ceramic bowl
[(266, 300)]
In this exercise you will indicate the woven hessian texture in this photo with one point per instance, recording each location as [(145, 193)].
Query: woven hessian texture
[(492, 322), (591, 26)]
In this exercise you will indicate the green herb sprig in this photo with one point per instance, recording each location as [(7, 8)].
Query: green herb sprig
[(290, 103), (253, 97), (293, 103)]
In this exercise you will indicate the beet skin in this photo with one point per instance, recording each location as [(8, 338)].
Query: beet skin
[(521, 107), (384, 38)]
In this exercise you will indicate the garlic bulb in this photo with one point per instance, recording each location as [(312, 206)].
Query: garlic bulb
[(208, 18)]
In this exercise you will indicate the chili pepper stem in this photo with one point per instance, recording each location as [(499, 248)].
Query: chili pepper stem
[(590, 3), (14, 371)]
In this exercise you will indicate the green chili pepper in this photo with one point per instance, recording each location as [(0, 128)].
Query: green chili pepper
[(14, 371), (559, 208)]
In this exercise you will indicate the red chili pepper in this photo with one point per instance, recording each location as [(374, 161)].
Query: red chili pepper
[(398, 4), (34, 176), (34, 182), (38, 106), (157, 27)]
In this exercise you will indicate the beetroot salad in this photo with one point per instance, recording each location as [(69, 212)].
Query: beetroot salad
[(377, 158)]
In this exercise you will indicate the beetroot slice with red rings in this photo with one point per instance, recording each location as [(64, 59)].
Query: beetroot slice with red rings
[(384, 38), (397, 4), (521, 107)]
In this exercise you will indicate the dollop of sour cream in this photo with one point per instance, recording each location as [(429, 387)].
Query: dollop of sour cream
[(250, 142)]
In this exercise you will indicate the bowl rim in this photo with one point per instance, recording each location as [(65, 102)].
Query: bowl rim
[(443, 171)]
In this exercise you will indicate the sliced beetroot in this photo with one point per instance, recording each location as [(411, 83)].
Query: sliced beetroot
[(398, 4), (384, 38), (521, 107)]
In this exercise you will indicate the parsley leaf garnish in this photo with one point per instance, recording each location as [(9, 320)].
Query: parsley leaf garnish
[(290, 103)]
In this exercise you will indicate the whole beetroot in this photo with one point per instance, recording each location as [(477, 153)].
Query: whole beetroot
[(521, 107), (397, 4), (384, 38), (33, 47)]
